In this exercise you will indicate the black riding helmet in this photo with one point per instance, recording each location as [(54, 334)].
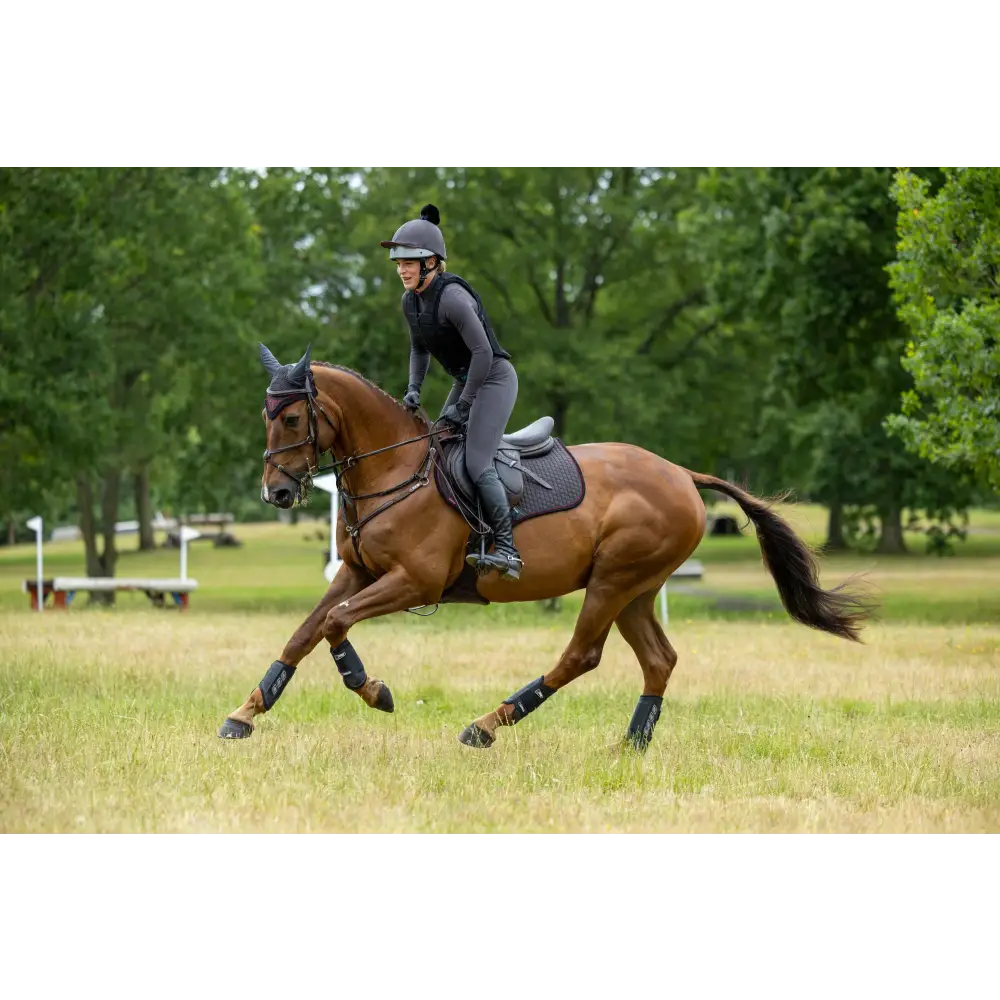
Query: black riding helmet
[(418, 239)]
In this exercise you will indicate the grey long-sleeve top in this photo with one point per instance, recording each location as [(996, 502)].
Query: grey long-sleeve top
[(457, 307)]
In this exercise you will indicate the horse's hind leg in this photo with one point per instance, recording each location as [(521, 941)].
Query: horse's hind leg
[(601, 605), (640, 629), (640, 546)]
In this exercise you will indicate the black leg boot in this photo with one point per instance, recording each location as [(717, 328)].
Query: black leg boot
[(496, 509)]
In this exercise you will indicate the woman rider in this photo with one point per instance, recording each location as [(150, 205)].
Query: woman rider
[(448, 322)]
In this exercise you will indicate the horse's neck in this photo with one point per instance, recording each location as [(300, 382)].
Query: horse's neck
[(368, 419)]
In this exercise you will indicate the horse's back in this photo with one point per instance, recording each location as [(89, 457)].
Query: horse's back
[(629, 485), (620, 466)]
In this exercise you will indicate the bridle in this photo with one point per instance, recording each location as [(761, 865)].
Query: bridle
[(340, 467), (274, 403)]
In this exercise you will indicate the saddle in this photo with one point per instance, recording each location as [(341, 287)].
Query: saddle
[(539, 474), (532, 441)]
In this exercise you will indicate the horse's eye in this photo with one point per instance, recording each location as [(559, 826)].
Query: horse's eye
[(291, 421)]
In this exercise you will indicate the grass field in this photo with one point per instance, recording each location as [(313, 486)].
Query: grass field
[(108, 717)]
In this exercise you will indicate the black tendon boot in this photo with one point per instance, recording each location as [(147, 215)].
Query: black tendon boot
[(504, 557)]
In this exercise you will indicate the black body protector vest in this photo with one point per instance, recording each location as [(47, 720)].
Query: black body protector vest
[(440, 337)]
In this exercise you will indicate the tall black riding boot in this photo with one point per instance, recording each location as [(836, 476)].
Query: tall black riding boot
[(496, 510)]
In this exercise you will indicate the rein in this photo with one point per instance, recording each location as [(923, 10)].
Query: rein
[(421, 477)]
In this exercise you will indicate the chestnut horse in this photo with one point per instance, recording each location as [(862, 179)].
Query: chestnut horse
[(640, 519)]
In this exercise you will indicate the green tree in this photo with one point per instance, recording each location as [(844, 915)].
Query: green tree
[(800, 255), (309, 292), (127, 291), (947, 283)]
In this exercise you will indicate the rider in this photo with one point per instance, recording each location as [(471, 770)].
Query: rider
[(447, 321)]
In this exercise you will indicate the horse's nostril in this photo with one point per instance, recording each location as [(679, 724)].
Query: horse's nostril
[(283, 498)]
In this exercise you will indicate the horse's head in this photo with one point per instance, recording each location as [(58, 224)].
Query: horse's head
[(293, 432)]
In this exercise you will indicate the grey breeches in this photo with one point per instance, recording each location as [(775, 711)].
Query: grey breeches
[(488, 418)]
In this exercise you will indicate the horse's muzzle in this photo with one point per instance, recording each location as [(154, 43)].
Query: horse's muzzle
[(282, 497)]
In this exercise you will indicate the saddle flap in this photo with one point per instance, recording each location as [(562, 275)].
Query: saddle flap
[(508, 469), (552, 482), (505, 462)]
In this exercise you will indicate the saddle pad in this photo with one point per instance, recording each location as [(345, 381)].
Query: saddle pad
[(558, 468)]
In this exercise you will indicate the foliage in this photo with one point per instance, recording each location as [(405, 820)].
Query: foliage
[(946, 285), (800, 254), (124, 295)]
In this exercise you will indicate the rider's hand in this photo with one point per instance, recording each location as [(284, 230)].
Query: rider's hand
[(412, 399), (457, 414)]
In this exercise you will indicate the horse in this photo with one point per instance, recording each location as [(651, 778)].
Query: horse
[(403, 547)]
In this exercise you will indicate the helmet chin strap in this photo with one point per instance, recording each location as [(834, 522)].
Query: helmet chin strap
[(424, 272)]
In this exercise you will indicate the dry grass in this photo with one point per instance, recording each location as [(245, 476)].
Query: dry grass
[(107, 722)]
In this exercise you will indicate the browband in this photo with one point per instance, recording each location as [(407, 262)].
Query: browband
[(275, 402)]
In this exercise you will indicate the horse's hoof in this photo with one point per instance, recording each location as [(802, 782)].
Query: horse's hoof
[(233, 729), (384, 702), (475, 736)]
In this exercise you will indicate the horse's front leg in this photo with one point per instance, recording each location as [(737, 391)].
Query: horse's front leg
[(396, 591), (239, 724)]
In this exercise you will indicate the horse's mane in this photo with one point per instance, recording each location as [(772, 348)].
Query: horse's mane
[(371, 385)]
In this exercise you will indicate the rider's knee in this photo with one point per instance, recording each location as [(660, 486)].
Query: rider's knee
[(475, 468)]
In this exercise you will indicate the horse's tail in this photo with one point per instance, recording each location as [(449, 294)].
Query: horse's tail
[(793, 566)]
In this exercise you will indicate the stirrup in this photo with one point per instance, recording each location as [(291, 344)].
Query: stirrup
[(506, 565), (514, 566)]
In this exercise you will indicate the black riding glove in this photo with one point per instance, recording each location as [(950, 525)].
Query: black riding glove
[(412, 398), (457, 414)]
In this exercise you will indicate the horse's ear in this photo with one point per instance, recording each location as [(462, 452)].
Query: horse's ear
[(297, 376), (269, 361)]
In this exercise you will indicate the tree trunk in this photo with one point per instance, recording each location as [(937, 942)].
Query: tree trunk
[(11, 531), (561, 311), (99, 563), (144, 509), (85, 501), (109, 515), (559, 409), (835, 541), (891, 540)]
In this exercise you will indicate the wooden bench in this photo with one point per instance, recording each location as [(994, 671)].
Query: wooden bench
[(692, 569), (219, 538), (219, 521), (64, 588)]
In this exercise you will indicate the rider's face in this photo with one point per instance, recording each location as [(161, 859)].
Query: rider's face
[(409, 272)]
